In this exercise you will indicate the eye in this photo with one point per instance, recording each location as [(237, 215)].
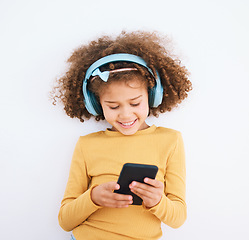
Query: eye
[(135, 104), (113, 107)]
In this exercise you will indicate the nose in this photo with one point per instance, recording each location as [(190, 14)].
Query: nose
[(125, 113)]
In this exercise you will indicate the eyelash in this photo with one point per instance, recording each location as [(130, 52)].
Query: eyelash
[(133, 105), (113, 108)]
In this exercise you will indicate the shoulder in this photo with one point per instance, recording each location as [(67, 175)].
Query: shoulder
[(168, 135), (167, 131), (91, 137), (171, 138)]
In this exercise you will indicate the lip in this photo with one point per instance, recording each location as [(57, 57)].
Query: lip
[(128, 126)]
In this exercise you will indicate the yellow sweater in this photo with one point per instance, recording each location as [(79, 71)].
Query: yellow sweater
[(98, 158)]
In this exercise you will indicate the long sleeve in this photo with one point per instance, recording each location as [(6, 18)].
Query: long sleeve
[(98, 158), (172, 208), (76, 205)]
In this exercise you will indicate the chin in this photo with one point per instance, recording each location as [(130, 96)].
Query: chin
[(128, 134), (127, 131)]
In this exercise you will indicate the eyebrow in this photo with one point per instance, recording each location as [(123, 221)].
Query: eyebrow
[(129, 99)]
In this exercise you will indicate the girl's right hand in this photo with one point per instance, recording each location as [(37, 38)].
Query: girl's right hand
[(104, 196)]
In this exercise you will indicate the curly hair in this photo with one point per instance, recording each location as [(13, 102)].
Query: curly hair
[(149, 46)]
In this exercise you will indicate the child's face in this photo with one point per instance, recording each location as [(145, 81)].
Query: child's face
[(125, 106)]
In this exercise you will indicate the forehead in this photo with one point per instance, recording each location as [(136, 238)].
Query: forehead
[(124, 90)]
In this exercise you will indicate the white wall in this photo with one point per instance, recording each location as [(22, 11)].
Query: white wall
[(37, 139)]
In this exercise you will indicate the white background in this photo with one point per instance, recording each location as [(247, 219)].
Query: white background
[(37, 139)]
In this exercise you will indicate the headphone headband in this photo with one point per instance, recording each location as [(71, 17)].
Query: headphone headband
[(91, 103)]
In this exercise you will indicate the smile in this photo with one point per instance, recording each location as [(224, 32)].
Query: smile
[(128, 124)]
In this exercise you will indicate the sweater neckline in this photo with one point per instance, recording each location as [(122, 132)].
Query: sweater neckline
[(148, 130)]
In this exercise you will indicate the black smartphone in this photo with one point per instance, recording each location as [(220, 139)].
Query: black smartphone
[(134, 172)]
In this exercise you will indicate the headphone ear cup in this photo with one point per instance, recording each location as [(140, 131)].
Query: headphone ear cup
[(151, 97), (155, 96), (94, 103)]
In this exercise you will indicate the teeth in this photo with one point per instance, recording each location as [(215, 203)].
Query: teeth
[(128, 124)]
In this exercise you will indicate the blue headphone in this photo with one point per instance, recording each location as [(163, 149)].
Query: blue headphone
[(91, 103)]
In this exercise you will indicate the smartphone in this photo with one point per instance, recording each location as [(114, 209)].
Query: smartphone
[(134, 172)]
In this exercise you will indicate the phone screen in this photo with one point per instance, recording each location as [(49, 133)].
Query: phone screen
[(134, 172)]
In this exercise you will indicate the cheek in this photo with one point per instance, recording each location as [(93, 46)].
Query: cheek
[(108, 114), (105, 111), (144, 108)]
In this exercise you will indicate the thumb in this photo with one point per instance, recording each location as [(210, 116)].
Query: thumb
[(112, 186)]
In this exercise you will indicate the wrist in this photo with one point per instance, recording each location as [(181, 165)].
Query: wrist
[(93, 194)]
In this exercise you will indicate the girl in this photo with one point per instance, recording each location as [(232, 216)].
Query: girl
[(123, 80)]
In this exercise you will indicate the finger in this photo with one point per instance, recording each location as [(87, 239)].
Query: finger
[(117, 203), (122, 197), (153, 182), (143, 193), (142, 186), (110, 195), (117, 199), (112, 186)]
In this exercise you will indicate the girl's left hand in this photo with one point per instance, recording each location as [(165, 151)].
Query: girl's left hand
[(151, 194)]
